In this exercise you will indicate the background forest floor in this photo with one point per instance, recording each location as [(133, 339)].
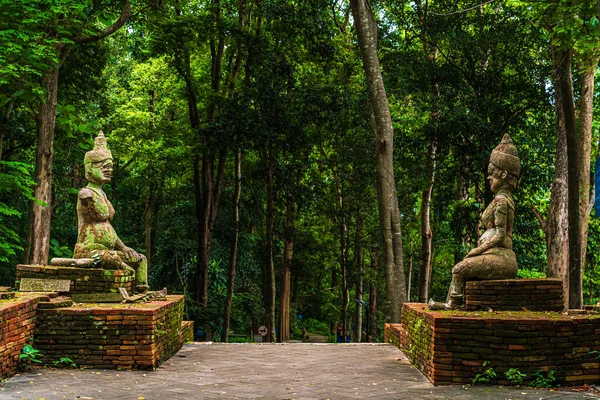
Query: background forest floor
[(273, 371)]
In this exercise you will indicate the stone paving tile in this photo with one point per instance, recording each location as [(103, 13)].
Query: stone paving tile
[(263, 371)]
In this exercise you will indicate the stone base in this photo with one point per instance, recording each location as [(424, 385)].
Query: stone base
[(515, 295), (83, 280), (450, 347), (112, 336)]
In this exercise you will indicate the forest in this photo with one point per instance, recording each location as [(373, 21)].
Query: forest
[(250, 147)]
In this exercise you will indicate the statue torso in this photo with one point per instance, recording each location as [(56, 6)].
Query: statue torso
[(94, 213), (502, 207)]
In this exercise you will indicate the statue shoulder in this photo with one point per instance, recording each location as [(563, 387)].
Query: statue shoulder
[(504, 200), (85, 193)]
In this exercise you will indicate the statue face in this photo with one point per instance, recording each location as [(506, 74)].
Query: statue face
[(99, 171), (496, 178)]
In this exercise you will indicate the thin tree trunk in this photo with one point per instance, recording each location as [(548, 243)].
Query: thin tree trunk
[(286, 271), (410, 269), (431, 53), (270, 265), (389, 214), (358, 262), (343, 262), (426, 233), (38, 246), (209, 191), (373, 296), (148, 225), (234, 242)]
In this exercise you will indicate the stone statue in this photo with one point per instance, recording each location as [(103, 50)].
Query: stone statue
[(97, 238), (493, 258)]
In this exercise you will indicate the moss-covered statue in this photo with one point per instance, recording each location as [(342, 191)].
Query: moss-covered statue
[(493, 258), (96, 237)]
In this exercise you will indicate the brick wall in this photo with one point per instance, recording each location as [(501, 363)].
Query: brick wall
[(83, 280), (126, 336), (451, 347), (17, 322), (187, 331), (514, 294)]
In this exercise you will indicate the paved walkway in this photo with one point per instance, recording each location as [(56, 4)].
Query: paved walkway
[(268, 371)]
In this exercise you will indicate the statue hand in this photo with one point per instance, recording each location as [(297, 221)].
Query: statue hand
[(132, 255), (475, 252)]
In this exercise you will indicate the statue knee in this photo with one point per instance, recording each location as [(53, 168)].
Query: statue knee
[(459, 268)]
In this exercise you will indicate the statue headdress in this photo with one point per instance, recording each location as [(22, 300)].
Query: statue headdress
[(506, 157), (100, 151)]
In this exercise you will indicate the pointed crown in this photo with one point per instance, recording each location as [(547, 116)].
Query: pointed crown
[(100, 151), (506, 157)]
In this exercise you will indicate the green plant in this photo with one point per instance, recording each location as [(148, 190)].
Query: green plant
[(515, 376), (29, 355), (484, 376), (64, 362), (541, 381)]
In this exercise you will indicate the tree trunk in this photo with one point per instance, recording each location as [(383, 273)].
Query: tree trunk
[(38, 246), (389, 214), (373, 296), (270, 265), (234, 242), (149, 221), (286, 271), (563, 83), (585, 111), (426, 233), (343, 262), (358, 288), (431, 53)]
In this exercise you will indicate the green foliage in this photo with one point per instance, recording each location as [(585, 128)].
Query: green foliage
[(15, 180), (543, 379), (515, 376), (485, 376), (28, 356), (64, 362)]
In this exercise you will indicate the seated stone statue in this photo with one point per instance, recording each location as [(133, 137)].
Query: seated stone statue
[(493, 258), (96, 236)]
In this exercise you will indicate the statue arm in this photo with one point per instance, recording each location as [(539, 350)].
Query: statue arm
[(130, 254), (500, 222)]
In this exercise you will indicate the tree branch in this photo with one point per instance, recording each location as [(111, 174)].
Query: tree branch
[(539, 217), (125, 14)]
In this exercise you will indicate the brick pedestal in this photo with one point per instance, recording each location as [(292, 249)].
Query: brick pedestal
[(83, 280), (125, 336), (515, 294), (450, 347)]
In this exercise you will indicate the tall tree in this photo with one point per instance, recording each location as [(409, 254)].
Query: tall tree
[(574, 30), (234, 246), (38, 243), (389, 214)]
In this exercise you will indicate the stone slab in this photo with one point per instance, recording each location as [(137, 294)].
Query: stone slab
[(97, 298), (83, 280), (44, 285)]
